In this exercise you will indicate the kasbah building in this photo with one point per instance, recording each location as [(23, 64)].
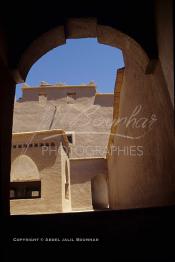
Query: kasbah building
[(59, 148), (73, 151)]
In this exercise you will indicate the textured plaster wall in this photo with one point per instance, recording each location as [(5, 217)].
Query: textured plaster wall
[(91, 122), (59, 92), (104, 99), (49, 166), (149, 179)]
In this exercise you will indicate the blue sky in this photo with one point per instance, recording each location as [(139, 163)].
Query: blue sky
[(78, 61)]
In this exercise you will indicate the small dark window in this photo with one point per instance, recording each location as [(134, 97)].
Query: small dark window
[(52, 144), (66, 181), (35, 193), (30, 145), (35, 145), (42, 98), (32, 192), (25, 145), (47, 144), (71, 97), (44, 95), (41, 144), (12, 193), (14, 146), (20, 192), (66, 190), (19, 146), (70, 139), (24, 190)]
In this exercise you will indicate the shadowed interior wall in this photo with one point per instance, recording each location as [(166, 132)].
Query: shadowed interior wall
[(7, 86)]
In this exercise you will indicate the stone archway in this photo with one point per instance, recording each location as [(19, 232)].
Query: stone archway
[(131, 183), (76, 28)]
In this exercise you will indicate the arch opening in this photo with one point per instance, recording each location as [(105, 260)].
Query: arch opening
[(25, 181), (77, 28), (134, 56)]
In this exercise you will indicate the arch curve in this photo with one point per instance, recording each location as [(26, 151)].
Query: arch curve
[(81, 28), (24, 169)]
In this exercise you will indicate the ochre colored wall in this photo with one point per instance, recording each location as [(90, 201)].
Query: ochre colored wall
[(48, 162), (149, 179), (104, 99), (90, 120), (59, 92)]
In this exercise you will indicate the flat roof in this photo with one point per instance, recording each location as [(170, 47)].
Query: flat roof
[(44, 132), (58, 86), (53, 131)]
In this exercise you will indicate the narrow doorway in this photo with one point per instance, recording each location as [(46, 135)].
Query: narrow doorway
[(99, 191)]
